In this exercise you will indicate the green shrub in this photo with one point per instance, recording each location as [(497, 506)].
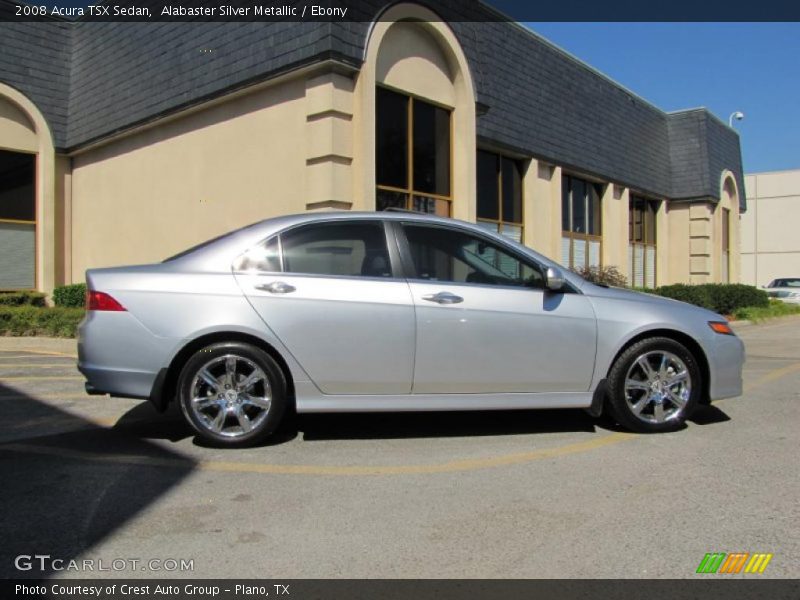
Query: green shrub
[(723, 298), (693, 294), (22, 299), (70, 295), (33, 320), (727, 297), (602, 275)]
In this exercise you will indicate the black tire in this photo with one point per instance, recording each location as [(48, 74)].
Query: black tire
[(257, 422), (622, 402)]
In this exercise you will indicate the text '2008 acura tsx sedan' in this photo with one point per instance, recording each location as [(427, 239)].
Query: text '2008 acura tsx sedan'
[(395, 311)]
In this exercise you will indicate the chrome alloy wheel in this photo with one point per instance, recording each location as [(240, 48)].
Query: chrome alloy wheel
[(657, 387), (230, 395)]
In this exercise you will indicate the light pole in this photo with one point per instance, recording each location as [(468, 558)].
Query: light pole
[(738, 115)]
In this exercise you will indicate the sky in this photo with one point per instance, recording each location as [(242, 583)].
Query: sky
[(726, 67)]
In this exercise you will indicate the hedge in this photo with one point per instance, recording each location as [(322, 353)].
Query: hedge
[(22, 299), (723, 298), (57, 321), (70, 295)]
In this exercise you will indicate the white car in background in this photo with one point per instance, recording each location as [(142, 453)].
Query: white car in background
[(786, 289)]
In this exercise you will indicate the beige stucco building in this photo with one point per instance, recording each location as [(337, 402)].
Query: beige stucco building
[(770, 245), (109, 156)]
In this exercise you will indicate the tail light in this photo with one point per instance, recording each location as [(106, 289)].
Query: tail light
[(102, 301)]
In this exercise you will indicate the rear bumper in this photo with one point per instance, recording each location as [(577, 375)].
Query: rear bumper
[(120, 356), (126, 384)]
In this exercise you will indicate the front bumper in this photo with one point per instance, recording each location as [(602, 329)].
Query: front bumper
[(726, 356)]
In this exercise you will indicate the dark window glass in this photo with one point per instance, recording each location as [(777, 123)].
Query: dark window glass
[(390, 199), (512, 191), (650, 222), (348, 249), (441, 254), (578, 206), (431, 149), (642, 220), (17, 192), (566, 222), (488, 201), (593, 192), (431, 205), (726, 217), (391, 138)]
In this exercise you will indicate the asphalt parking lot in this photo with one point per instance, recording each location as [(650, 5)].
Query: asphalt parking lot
[(549, 494)]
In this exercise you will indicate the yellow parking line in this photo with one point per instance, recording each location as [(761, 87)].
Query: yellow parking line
[(38, 377), (772, 376), (83, 396), (36, 365), (43, 353), (244, 467), (4, 357), (351, 470)]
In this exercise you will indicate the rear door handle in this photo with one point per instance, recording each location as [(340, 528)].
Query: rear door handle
[(443, 298), (276, 287)]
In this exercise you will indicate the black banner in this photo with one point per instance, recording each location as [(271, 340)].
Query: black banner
[(714, 588), (369, 10)]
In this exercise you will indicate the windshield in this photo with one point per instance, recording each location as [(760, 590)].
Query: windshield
[(792, 283)]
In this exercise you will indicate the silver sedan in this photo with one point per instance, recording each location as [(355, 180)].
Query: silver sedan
[(346, 312)]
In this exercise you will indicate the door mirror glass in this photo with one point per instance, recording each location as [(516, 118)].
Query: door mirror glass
[(554, 279)]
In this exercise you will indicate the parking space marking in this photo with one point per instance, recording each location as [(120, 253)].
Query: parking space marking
[(274, 469), (773, 375), (53, 396), (37, 365), (18, 356), (41, 353), (349, 470), (40, 377)]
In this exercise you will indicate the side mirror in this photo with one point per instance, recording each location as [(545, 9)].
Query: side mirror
[(554, 279)]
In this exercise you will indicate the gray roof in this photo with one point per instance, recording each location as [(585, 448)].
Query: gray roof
[(93, 79)]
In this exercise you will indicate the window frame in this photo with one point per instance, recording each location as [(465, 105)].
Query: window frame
[(584, 237), (500, 222), (725, 246), (395, 264), (34, 222), (656, 206), (409, 190), (409, 269)]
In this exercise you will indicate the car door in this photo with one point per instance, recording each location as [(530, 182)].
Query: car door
[(328, 291), (485, 323)]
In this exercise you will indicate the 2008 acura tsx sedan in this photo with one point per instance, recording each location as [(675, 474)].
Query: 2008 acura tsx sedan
[(392, 311)]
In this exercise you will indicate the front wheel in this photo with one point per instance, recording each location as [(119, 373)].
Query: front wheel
[(654, 386), (232, 394)]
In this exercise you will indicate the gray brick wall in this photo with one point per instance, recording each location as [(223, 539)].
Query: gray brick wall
[(91, 79), (34, 59)]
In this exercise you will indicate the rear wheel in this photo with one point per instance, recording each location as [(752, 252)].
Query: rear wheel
[(654, 386), (232, 394)]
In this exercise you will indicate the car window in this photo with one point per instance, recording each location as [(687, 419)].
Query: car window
[(263, 257), (441, 254), (343, 249), (785, 283)]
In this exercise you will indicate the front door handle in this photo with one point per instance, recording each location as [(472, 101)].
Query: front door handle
[(276, 287), (443, 298)]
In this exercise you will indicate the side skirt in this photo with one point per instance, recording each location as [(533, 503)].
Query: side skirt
[(318, 403)]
